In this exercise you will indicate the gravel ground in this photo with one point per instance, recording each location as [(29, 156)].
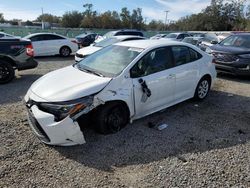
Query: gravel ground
[(206, 144)]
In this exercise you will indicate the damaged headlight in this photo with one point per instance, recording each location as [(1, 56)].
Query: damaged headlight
[(63, 109)]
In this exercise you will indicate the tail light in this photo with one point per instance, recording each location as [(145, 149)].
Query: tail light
[(30, 50)]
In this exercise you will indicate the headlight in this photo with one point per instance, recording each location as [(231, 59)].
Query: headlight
[(247, 56), (63, 109)]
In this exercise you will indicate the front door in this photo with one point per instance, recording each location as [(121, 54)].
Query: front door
[(153, 82)]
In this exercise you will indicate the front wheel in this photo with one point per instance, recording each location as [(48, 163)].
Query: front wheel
[(111, 118), (7, 72), (65, 51), (202, 89)]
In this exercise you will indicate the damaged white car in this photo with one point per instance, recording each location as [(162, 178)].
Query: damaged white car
[(117, 85)]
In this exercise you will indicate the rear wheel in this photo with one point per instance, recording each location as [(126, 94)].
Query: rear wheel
[(111, 118), (202, 88), (65, 51), (7, 72)]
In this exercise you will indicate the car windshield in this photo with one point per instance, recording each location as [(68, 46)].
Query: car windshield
[(171, 35), (242, 41), (106, 42), (110, 61), (189, 40), (109, 34)]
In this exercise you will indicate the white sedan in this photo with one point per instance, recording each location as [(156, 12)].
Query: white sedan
[(84, 52), (116, 85), (49, 44)]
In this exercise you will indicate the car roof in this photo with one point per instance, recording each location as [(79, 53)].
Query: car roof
[(36, 34), (149, 43), (121, 37)]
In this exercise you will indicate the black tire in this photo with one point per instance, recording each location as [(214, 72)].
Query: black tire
[(65, 51), (7, 72), (110, 118), (202, 88)]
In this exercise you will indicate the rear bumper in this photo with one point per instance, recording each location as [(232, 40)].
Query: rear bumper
[(233, 70), (28, 64)]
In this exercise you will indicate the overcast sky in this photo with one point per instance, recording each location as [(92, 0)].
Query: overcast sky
[(151, 9)]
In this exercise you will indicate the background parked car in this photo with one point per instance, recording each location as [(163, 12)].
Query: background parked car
[(176, 36), (232, 55), (158, 36), (208, 39), (121, 32), (15, 55), (192, 40), (5, 36), (48, 44), (84, 52), (84, 40)]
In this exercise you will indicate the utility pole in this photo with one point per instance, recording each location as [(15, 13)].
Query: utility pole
[(42, 20), (166, 19)]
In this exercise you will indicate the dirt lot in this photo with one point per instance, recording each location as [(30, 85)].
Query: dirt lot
[(206, 144)]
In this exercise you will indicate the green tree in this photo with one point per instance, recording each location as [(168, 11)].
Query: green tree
[(1, 18), (125, 18), (137, 19), (48, 18), (72, 19)]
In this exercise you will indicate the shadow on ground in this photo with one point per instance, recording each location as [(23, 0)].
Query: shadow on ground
[(14, 91), (55, 58), (193, 128), (241, 79)]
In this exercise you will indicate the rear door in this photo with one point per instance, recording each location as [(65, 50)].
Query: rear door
[(153, 81), (186, 62)]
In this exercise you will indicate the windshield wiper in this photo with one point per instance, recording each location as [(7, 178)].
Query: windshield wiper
[(90, 71)]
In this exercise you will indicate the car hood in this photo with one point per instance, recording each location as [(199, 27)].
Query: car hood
[(230, 49), (67, 84), (88, 50)]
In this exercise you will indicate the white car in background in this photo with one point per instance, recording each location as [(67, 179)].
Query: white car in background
[(5, 36), (116, 85), (84, 52), (49, 44)]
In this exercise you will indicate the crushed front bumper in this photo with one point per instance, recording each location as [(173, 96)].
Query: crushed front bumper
[(64, 133)]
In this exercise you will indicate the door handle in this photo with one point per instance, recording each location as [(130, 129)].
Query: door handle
[(170, 76)]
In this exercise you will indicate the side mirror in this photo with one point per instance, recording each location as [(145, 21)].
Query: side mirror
[(214, 42)]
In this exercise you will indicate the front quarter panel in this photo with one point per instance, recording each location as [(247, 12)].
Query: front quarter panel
[(119, 89)]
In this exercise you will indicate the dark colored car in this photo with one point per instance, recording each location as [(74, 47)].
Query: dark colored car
[(84, 40), (15, 55), (232, 55), (123, 32)]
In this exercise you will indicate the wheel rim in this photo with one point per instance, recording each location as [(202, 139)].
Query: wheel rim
[(115, 120), (65, 51), (4, 72), (203, 89)]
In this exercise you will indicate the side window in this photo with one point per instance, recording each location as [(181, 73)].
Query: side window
[(181, 36), (1, 35), (181, 55), (194, 55), (154, 61), (37, 38), (52, 37)]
